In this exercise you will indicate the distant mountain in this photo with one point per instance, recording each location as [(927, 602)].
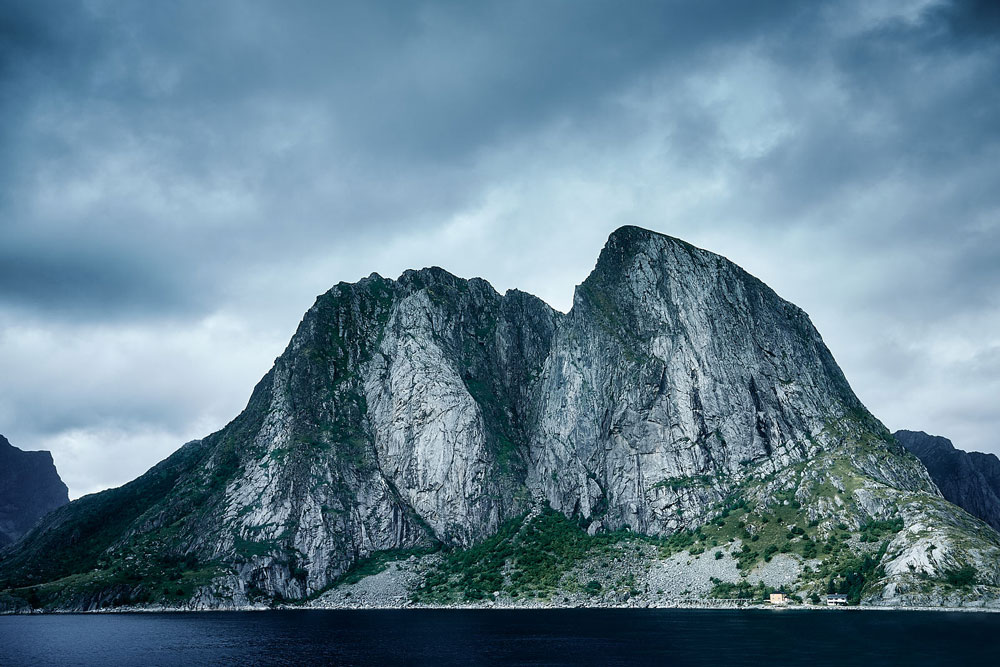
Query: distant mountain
[(681, 406), (971, 480), (30, 488)]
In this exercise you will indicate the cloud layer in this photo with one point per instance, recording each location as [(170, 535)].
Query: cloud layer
[(178, 181)]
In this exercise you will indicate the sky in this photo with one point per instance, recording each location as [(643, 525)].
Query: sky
[(178, 181)]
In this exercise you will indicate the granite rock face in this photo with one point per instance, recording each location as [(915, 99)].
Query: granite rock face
[(970, 480), (429, 410), (676, 364), (30, 488)]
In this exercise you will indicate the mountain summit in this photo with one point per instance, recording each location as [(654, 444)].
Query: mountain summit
[(680, 402), (29, 488)]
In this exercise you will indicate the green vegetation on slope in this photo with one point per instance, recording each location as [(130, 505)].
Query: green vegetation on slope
[(74, 537), (128, 580), (530, 557)]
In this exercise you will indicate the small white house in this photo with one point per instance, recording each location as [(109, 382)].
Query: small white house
[(836, 600)]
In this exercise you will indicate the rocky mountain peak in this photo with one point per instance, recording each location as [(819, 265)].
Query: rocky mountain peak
[(428, 276), (921, 443), (629, 241), (30, 487)]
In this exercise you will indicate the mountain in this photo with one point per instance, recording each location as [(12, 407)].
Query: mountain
[(29, 489), (971, 480), (487, 446)]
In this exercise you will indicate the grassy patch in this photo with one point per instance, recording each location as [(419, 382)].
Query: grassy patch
[(128, 583), (532, 559), (723, 590), (961, 577), (677, 483), (253, 548)]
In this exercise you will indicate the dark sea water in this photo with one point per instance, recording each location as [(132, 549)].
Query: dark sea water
[(544, 637)]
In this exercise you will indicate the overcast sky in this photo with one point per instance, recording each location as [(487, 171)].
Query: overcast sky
[(178, 181)]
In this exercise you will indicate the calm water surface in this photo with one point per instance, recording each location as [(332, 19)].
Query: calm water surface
[(544, 637)]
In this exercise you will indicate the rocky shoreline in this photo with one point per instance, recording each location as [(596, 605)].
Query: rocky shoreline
[(703, 605), (680, 581)]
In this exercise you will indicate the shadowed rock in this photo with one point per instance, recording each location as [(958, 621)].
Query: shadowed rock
[(971, 480), (29, 489)]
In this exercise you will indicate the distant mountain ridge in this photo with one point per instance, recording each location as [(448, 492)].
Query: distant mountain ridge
[(971, 480), (30, 488)]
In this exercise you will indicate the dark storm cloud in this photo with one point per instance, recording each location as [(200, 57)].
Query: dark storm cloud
[(972, 18), (178, 179), (321, 123)]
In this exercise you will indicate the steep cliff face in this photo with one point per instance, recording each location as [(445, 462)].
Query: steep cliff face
[(30, 488), (970, 480), (431, 411), (395, 419), (676, 364)]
